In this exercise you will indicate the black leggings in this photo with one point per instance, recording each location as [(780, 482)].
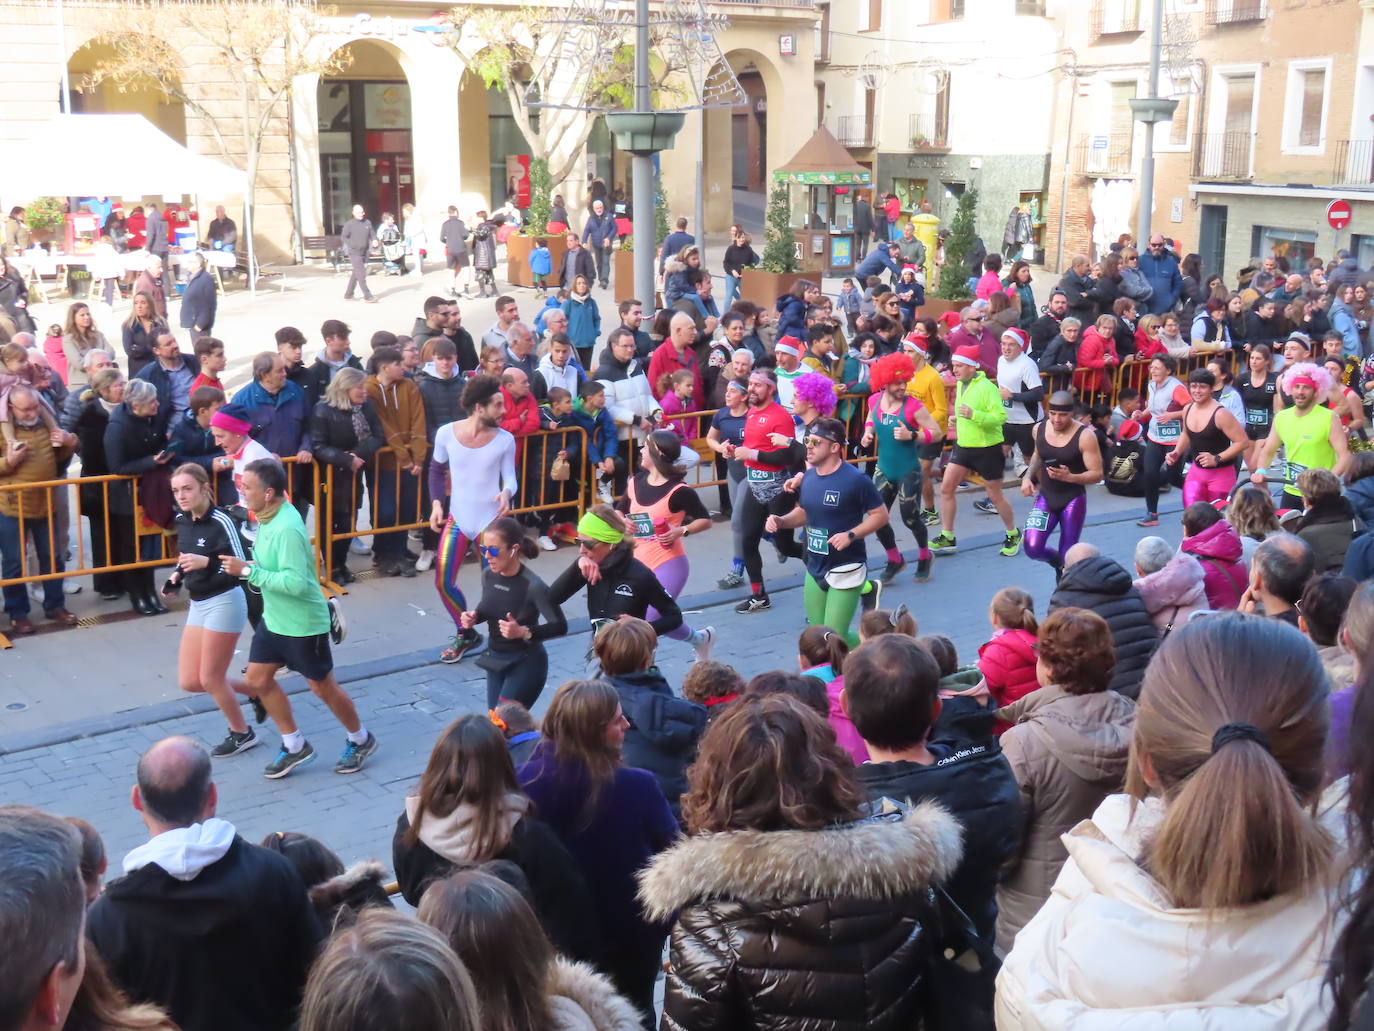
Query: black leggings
[(753, 515), (1157, 473), (907, 493)]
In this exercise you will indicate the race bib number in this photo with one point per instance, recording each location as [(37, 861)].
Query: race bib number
[(817, 540), (643, 525), (1037, 519), (1169, 430), (1257, 416), (762, 475), (1291, 470)]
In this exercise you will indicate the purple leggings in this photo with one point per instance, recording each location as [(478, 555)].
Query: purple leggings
[(1042, 522), (673, 576)]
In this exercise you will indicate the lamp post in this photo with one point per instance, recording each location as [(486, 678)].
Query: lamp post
[(1150, 110)]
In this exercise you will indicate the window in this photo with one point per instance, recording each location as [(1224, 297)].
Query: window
[(1178, 126), (1304, 108), (875, 16), (820, 103), (1297, 245), (941, 127)]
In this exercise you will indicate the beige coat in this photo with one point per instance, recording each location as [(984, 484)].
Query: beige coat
[(580, 999), (1068, 752), (1109, 950)]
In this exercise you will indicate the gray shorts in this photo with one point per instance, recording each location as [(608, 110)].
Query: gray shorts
[(225, 613)]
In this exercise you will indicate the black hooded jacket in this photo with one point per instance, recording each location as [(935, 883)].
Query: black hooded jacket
[(664, 730), (1101, 585)]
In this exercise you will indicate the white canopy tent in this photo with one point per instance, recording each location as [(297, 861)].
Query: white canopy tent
[(110, 155)]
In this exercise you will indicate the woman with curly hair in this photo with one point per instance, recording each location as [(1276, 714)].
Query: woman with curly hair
[(813, 397)]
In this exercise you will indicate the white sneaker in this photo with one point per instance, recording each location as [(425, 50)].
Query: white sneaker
[(425, 562), (358, 547), (702, 642), (546, 543), (603, 491)]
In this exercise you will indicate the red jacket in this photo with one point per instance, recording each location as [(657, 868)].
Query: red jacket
[(1093, 350), (521, 418), (665, 361), (1007, 663)]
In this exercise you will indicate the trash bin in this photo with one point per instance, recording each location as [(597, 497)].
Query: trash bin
[(78, 282)]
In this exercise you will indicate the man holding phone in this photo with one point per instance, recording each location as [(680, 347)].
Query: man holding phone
[(1064, 460)]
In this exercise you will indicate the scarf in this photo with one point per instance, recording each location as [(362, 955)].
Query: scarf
[(360, 427)]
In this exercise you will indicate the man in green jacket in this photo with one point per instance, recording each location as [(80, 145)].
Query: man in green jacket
[(979, 415), (296, 623)]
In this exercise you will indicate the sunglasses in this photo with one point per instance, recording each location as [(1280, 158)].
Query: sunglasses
[(587, 545), (818, 441), (974, 318), (489, 551)]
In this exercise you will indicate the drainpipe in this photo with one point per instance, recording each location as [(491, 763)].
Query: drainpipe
[(1068, 144)]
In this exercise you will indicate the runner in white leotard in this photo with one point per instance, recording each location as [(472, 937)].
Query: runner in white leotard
[(479, 458)]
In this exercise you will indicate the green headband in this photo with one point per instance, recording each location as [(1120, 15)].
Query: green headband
[(593, 526)]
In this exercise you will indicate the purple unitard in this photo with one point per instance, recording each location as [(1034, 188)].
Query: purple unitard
[(1068, 520)]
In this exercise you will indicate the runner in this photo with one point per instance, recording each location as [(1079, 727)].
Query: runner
[(727, 430), (901, 426), (219, 607), (839, 506), (479, 458), (979, 416), (1214, 439), (663, 511), (1258, 388), (1064, 461), (787, 351), (769, 453), (928, 386), (296, 623), (1310, 433), (1161, 413), (513, 602), (230, 429)]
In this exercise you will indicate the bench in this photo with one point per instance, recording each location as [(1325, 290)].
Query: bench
[(328, 248)]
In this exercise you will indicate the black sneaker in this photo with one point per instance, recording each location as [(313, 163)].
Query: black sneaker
[(985, 506), (780, 547), (355, 755), (338, 630), (923, 568), (464, 642), (234, 744), (869, 600), (259, 710), (753, 603), (286, 761), (892, 569)]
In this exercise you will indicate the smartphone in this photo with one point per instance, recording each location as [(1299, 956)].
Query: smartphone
[(172, 585), (1053, 463)]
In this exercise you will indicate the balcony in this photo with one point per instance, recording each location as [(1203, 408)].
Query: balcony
[(1223, 155), (1116, 17), (823, 36), (1105, 154), (929, 135), (854, 131), (1235, 12), (1354, 163)]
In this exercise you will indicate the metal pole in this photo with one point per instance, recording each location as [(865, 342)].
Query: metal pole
[(62, 60), (642, 168), (1147, 166), (699, 210)]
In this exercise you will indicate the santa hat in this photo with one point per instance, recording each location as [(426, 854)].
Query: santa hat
[(790, 344), (950, 319), (1129, 430), (1019, 335), (968, 355), (917, 342)]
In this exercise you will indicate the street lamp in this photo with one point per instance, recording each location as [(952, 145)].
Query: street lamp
[(1150, 110)]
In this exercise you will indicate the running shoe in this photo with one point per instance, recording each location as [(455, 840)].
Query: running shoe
[(357, 546), (892, 569), (259, 710), (753, 603), (338, 630), (286, 761), (1012, 544), (546, 543), (234, 744), (923, 567), (1151, 519), (985, 506), (426, 561), (734, 578), (778, 545), (944, 544), (463, 642), (868, 601), (702, 642), (355, 755), (930, 517)]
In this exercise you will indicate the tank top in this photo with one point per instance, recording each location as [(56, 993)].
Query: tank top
[(1069, 455), (1161, 400), (1208, 440), (642, 519), (1258, 400), (1306, 442)]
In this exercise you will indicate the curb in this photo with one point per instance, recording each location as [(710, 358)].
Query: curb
[(194, 705)]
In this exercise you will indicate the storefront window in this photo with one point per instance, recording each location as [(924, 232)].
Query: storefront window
[(386, 105), (1297, 245), (1363, 248)]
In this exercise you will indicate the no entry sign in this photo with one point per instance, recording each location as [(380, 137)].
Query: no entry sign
[(1338, 214)]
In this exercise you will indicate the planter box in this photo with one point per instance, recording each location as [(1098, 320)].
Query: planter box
[(937, 306), (518, 249), (623, 274), (764, 288)]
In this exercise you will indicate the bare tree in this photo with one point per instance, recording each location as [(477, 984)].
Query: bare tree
[(247, 54)]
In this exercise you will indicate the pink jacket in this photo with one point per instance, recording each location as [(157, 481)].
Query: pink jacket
[(57, 358), (1173, 593), (988, 284), (1007, 663), (1224, 572), (845, 733)]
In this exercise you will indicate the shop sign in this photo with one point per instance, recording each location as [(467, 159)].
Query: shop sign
[(861, 178), (787, 45), (367, 26)]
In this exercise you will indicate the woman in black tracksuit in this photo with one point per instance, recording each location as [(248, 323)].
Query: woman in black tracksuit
[(347, 433)]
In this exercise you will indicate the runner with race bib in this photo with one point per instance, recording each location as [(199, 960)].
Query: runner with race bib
[(1065, 460), (1162, 417), (1311, 434)]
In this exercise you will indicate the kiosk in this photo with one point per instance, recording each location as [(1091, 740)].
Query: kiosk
[(822, 182)]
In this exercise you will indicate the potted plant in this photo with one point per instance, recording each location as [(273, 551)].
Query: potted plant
[(952, 292), (779, 268), (44, 219), (519, 245)]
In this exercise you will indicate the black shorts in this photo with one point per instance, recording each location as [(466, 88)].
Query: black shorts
[(931, 452), (456, 260), (987, 462), (308, 656)]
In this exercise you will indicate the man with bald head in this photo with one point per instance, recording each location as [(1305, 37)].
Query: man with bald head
[(677, 353), (219, 932), (1279, 572)]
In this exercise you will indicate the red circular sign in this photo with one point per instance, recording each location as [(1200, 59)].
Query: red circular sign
[(1338, 214)]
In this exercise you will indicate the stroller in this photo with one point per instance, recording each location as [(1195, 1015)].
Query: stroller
[(393, 249)]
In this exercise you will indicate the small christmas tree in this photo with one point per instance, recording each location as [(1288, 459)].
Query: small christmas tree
[(541, 199), (779, 250), (962, 233)]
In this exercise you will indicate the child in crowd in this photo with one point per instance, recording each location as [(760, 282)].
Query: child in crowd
[(541, 263), (848, 302), (552, 302), (607, 467), (820, 355), (821, 652), (52, 350), (1100, 419), (1007, 661), (1127, 402), (967, 710), (393, 245), (210, 353), (556, 456), (519, 729), (337, 895), (712, 684), (868, 305), (584, 320), (877, 622), (676, 398), (19, 371), (910, 295)]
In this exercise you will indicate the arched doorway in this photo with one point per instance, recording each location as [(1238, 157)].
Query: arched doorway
[(143, 96), (365, 135), (740, 150)]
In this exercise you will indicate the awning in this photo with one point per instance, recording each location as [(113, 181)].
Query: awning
[(823, 162), (126, 156)]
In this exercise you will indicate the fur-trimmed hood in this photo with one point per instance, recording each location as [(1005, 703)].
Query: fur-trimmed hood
[(893, 853), (360, 878), (580, 999)]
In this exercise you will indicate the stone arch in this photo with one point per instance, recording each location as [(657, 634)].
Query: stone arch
[(740, 151), (143, 97)]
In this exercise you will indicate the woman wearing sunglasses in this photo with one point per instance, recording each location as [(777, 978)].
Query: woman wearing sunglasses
[(513, 602)]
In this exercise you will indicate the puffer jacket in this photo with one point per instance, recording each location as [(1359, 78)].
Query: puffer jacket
[(442, 399), (664, 730), (1224, 570), (796, 930), (629, 398), (1328, 529), (339, 900), (1103, 586), (1109, 949), (791, 317), (1360, 494), (1007, 662), (1068, 752), (1174, 592)]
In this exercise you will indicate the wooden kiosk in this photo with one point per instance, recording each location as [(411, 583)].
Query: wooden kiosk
[(822, 181)]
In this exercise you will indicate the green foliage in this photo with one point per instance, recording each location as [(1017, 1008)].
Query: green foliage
[(779, 249), (44, 215), (660, 216), (962, 232), (541, 199)]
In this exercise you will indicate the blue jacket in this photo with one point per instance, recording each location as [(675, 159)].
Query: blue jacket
[(673, 243), (664, 730), (584, 321), (198, 302), (1343, 322), (281, 423), (1360, 494), (876, 262), (599, 231), (191, 443), (1359, 557), (1163, 275), (155, 374), (791, 317), (601, 435), (541, 261), (551, 303)]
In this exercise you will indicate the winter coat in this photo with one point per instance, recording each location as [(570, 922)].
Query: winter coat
[(1068, 752), (339, 900), (401, 411), (1225, 573), (600, 430), (484, 246), (580, 999), (546, 375), (281, 421), (1093, 352), (1042, 331), (584, 321), (41, 463), (336, 441), (198, 303), (965, 718), (158, 376), (582, 265), (1104, 294), (1078, 289), (442, 399), (666, 360), (664, 730), (1328, 529), (558, 891), (1008, 664), (193, 444), (793, 930), (1058, 359), (1135, 286), (321, 372), (1164, 278), (1110, 950), (675, 282), (1174, 592), (131, 442), (629, 398), (1360, 494), (1101, 585), (792, 318)]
